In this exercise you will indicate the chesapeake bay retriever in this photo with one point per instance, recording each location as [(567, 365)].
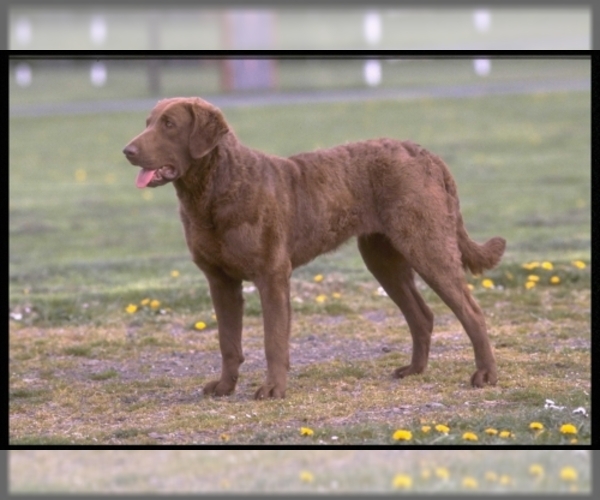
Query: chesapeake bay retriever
[(252, 216)]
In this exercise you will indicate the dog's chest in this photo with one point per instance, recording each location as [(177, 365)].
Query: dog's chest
[(233, 251)]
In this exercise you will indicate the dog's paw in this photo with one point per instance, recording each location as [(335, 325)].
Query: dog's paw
[(218, 388), (483, 375), (407, 370), (269, 391)]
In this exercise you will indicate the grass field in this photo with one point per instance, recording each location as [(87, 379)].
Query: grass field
[(298, 471), (86, 246)]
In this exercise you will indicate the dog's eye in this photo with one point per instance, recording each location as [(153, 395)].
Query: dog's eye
[(169, 124)]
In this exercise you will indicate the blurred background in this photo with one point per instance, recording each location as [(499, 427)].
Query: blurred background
[(451, 28)]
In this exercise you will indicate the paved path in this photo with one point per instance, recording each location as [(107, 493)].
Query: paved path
[(304, 97)]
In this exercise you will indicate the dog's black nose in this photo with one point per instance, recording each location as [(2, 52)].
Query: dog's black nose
[(130, 151)]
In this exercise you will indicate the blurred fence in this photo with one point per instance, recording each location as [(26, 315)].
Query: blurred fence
[(292, 29), (35, 82)]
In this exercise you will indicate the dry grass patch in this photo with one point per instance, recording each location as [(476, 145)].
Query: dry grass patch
[(141, 382)]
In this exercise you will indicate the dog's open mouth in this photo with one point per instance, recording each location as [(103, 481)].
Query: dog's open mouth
[(158, 177)]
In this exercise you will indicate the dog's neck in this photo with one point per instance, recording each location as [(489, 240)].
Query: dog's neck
[(193, 186)]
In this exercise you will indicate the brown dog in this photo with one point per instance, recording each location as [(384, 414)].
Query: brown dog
[(251, 216)]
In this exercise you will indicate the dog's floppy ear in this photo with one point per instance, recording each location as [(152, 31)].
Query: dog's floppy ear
[(208, 126)]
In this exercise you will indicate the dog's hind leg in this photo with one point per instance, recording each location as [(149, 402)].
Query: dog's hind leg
[(396, 277), (433, 253)]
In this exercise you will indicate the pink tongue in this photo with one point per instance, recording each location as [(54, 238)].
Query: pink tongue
[(144, 177)]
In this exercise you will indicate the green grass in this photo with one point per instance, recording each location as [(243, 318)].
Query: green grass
[(80, 248), (340, 471), (85, 243)]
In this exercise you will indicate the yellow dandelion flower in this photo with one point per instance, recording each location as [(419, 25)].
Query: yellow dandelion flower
[(506, 434), (426, 428), (321, 298), (174, 273), (402, 481), (568, 474), (487, 283), (131, 308), (469, 482), (579, 264), (491, 476), (470, 436), (336, 295), (555, 280), (306, 477), (154, 304), (533, 277), (402, 435), (200, 325), (573, 441), (491, 431), (536, 426), (529, 284), (442, 472), (505, 479), (531, 265), (318, 278), (442, 428), (145, 302), (80, 175), (224, 437), (547, 265), (568, 429), (306, 431), (536, 470)]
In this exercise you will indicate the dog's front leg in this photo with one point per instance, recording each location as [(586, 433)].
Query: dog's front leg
[(228, 302), (274, 292)]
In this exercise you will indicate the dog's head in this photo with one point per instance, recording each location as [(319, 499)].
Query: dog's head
[(178, 132)]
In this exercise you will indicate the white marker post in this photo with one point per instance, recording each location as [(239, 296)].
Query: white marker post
[(23, 75), (482, 66), (98, 74), (372, 71)]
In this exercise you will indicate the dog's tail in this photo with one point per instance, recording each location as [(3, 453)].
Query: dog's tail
[(474, 256)]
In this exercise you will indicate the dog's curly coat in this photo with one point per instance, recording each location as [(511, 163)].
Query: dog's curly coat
[(252, 216)]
